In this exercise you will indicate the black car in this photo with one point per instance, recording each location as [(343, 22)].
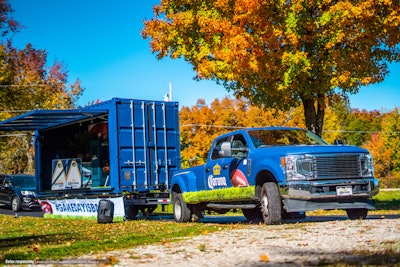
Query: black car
[(18, 191)]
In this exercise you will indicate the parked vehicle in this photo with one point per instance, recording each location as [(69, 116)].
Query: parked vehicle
[(18, 191), (276, 172)]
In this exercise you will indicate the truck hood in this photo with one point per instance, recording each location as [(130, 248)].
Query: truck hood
[(311, 149)]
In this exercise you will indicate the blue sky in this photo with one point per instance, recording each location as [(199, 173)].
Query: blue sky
[(100, 43)]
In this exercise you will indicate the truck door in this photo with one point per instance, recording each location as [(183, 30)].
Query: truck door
[(227, 171)]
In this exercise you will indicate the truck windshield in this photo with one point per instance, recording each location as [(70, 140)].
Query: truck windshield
[(288, 137)]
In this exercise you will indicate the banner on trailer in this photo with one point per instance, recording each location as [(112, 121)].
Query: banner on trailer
[(79, 207)]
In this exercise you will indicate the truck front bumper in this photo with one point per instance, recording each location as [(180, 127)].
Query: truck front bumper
[(328, 194)]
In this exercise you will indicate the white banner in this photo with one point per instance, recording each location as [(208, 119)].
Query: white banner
[(80, 207)]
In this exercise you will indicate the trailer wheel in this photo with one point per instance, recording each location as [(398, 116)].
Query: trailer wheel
[(15, 203), (181, 210), (357, 214), (271, 207)]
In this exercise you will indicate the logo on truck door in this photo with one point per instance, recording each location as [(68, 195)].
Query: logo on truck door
[(216, 181)]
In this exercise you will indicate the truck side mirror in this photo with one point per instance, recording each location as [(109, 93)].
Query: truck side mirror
[(226, 150), (338, 142)]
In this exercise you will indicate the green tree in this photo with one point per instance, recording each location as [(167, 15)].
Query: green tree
[(281, 53)]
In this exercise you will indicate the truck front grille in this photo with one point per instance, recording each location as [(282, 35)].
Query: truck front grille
[(338, 166)]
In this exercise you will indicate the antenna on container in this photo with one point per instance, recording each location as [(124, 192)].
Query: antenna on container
[(168, 96)]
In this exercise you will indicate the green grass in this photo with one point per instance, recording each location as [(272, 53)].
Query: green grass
[(387, 200), (227, 194)]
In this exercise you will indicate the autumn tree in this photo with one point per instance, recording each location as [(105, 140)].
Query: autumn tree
[(281, 53), (7, 23), (27, 82), (385, 148)]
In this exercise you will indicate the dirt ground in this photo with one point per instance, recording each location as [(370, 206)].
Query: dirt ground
[(310, 242)]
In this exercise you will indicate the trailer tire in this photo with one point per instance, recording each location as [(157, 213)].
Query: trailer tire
[(271, 204), (181, 210), (357, 214)]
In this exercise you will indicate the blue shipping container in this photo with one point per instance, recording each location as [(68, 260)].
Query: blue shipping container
[(116, 146)]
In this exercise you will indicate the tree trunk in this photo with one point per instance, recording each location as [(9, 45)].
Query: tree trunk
[(314, 112)]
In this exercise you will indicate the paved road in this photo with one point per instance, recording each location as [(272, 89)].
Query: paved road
[(33, 213)]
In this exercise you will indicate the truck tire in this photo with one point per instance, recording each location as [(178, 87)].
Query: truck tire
[(271, 207), (357, 214), (16, 204), (253, 215), (181, 210)]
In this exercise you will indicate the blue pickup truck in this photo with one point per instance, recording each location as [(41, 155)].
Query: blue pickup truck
[(274, 173)]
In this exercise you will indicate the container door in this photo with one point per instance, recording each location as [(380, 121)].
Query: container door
[(149, 146)]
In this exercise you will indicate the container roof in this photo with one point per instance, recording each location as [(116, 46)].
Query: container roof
[(42, 119)]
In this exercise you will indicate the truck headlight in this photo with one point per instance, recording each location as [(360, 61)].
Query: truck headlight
[(28, 193), (297, 167), (367, 166)]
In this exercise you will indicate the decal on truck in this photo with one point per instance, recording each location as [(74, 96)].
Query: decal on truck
[(238, 178), (216, 181)]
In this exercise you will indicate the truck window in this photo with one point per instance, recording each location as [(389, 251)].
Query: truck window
[(217, 148), (263, 138), (237, 143)]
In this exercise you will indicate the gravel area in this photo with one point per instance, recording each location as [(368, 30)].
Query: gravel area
[(308, 242)]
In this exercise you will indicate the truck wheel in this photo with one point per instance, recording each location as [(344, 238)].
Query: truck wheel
[(271, 207), (181, 210), (252, 214), (15, 204), (357, 214)]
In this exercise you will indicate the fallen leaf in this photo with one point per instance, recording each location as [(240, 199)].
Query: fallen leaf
[(264, 258), (36, 248)]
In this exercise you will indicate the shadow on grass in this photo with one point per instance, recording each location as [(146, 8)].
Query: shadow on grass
[(33, 239), (393, 204)]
